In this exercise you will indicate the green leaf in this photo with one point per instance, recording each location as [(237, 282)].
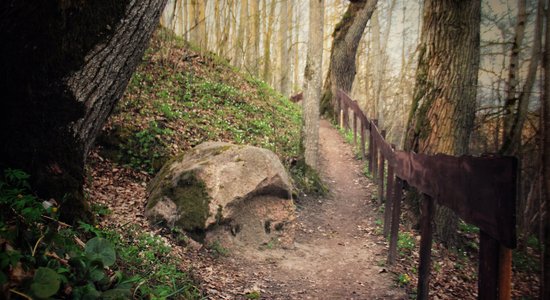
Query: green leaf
[(45, 283), (100, 249), (96, 275), (3, 278), (86, 292), (117, 293)]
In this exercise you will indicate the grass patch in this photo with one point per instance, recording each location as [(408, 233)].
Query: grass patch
[(178, 99)]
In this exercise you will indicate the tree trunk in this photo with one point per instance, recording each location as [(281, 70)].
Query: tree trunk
[(515, 116), (443, 109), (513, 76), (65, 66), (313, 77), (545, 157), (240, 47), (254, 40), (267, 73), (192, 16), (217, 27), (202, 37), (283, 49), (347, 35)]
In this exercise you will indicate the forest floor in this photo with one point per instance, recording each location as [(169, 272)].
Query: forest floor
[(339, 251)]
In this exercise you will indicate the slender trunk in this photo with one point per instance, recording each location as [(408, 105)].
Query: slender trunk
[(296, 48), (202, 35), (254, 39), (514, 121), (240, 47), (313, 77), (217, 27), (267, 73), (513, 80), (283, 49)]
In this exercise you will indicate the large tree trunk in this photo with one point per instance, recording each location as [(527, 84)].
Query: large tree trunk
[(313, 78), (347, 35), (545, 157), (443, 108), (65, 64)]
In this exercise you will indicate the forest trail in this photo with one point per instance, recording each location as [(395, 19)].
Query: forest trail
[(338, 254)]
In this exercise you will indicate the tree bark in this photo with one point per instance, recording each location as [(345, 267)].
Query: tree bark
[(65, 66), (313, 77), (516, 106), (283, 80), (545, 158), (254, 40), (347, 35), (443, 109), (267, 72), (241, 45)]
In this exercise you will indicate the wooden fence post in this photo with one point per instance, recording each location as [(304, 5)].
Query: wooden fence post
[(396, 213), (354, 128), (505, 274), (346, 117), (381, 165), (374, 155), (371, 148), (425, 248), (487, 283), (389, 198), (362, 141), (341, 119)]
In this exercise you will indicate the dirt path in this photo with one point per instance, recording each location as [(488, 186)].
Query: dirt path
[(337, 254)]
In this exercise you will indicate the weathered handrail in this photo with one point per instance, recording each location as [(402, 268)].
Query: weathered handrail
[(481, 190)]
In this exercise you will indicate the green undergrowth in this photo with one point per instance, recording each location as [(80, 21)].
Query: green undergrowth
[(43, 258), (179, 98)]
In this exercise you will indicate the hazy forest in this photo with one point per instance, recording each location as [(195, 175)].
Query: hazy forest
[(275, 149)]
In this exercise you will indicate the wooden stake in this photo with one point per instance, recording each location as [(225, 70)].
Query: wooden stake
[(396, 213), (426, 229), (488, 267), (505, 274)]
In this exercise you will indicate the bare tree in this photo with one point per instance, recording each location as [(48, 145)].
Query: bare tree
[(313, 77)]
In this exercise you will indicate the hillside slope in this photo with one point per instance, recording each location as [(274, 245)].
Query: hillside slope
[(178, 99)]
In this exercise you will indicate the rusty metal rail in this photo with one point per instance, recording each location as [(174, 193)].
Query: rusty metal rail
[(480, 190)]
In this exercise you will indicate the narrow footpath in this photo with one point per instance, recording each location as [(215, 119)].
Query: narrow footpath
[(338, 253)]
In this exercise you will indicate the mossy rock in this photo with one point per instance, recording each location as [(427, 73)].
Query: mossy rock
[(206, 186)]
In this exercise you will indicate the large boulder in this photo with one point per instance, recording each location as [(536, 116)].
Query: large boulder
[(226, 192)]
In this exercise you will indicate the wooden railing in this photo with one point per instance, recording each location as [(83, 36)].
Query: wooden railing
[(480, 190)]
